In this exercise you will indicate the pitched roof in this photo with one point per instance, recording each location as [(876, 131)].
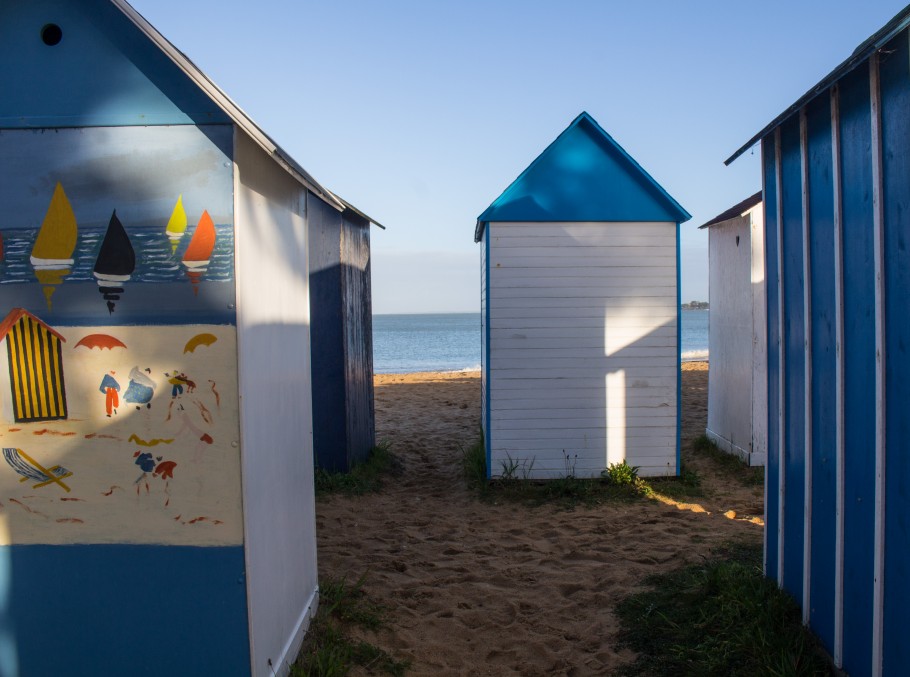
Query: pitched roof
[(17, 314), (233, 111), (584, 175), (736, 210), (872, 44)]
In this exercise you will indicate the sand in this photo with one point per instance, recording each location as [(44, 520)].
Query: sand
[(500, 589)]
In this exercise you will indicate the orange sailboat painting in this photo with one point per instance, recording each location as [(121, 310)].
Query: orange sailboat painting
[(199, 251)]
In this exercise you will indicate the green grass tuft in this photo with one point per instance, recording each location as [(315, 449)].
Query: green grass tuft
[(328, 650), (749, 476), (363, 478), (720, 617)]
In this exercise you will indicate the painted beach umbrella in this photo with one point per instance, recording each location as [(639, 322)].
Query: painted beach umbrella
[(115, 263), (100, 341), (53, 249)]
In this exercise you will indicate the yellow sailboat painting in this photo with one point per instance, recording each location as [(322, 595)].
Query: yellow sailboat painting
[(53, 249), (176, 225), (56, 240)]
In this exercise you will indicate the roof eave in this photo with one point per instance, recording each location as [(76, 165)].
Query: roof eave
[(223, 101), (860, 54)]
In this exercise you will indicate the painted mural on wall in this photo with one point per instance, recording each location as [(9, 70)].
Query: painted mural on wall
[(118, 405)]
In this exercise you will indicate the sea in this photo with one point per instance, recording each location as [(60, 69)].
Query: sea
[(451, 341)]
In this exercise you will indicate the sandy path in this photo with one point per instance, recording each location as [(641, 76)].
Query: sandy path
[(488, 589)]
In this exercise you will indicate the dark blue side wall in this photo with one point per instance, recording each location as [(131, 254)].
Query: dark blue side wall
[(895, 111), (859, 369), (327, 335), (838, 157), (772, 468), (823, 367), (794, 459), (123, 610)]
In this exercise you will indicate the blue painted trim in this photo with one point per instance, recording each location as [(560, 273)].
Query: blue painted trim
[(487, 434), (678, 358), (123, 610)]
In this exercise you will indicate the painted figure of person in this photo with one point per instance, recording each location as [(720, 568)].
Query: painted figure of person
[(140, 389), (178, 381), (111, 389)]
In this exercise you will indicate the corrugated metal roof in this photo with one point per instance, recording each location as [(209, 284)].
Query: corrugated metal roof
[(232, 110), (860, 54), (736, 210)]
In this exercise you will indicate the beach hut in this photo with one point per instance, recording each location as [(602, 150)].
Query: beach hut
[(836, 189), (341, 335), (158, 511), (737, 371), (580, 314)]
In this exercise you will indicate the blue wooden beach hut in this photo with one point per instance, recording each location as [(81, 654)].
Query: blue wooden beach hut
[(157, 510), (580, 314), (341, 335), (836, 192)]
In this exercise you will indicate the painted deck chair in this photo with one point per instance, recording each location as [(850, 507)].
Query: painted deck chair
[(30, 469)]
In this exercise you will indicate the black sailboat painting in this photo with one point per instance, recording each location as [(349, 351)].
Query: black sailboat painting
[(115, 263)]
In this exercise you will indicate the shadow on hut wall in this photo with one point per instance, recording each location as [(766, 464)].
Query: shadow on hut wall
[(341, 336)]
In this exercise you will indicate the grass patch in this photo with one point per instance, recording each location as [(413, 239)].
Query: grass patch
[(363, 478), (687, 485), (328, 650), (733, 465), (721, 617)]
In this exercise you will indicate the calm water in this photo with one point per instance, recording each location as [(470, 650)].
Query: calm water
[(451, 342)]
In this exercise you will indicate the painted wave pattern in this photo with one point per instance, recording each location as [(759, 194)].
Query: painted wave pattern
[(155, 263)]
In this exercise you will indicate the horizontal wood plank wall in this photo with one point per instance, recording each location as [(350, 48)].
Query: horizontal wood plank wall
[(584, 349), (484, 346)]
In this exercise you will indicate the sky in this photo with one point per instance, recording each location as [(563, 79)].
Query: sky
[(422, 112)]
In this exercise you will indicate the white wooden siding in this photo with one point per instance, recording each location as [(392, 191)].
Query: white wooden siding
[(273, 329), (737, 384), (583, 343)]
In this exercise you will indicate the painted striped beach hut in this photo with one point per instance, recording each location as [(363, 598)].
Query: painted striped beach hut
[(580, 314), (836, 182), (35, 376), (156, 249), (737, 371)]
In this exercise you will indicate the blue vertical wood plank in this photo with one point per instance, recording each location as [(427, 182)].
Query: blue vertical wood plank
[(794, 358), (824, 356), (895, 112), (772, 468), (859, 370)]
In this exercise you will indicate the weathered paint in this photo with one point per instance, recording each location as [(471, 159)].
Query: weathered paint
[(342, 341), (358, 336)]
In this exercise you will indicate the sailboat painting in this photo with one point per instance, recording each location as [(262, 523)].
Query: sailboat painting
[(157, 260), (198, 253), (176, 225), (53, 249), (115, 263)]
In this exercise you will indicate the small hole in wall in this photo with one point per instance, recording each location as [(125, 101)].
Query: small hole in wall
[(737, 240), (51, 34)]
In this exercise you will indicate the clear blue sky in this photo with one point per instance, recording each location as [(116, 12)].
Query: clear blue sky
[(421, 113)]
